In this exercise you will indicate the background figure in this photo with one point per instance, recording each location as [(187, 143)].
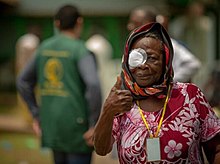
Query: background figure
[(69, 91), (25, 47), (196, 30), (108, 69), (212, 88), (185, 64)]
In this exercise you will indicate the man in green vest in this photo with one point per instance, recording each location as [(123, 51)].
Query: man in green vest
[(69, 91)]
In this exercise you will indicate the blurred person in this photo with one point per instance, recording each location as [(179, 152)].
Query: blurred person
[(25, 47), (152, 118), (197, 30), (185, 64), (107, 67), (212, 88), (70, 97)]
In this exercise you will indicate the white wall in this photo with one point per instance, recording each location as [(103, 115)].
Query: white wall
[(88, 7)]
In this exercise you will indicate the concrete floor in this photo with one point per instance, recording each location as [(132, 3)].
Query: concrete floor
[(24, 148), (18, 144), (104, 160)]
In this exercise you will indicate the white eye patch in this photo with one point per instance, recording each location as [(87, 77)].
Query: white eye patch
[(137, 57)]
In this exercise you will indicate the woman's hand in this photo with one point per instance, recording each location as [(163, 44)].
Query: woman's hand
[(118, 101)]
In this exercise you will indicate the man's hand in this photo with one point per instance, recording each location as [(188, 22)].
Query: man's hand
[(88, 136), (36, 127)]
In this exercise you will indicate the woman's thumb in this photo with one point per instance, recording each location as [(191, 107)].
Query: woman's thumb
[(118, 83)]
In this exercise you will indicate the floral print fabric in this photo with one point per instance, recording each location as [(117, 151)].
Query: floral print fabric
[(189, 120)]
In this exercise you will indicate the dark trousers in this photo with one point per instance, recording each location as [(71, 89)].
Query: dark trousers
[(71, 158)]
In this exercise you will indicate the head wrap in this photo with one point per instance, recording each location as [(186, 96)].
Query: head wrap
[(129, 83)]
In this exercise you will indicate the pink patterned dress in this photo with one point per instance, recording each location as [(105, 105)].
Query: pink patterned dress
[(189, 120)]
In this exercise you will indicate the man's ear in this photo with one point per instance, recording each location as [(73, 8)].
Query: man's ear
[(57, 24), (80, 20)]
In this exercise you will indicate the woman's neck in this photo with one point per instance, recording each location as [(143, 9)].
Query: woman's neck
[(151, 104)]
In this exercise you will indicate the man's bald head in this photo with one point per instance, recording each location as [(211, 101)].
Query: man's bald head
[(141, 15)]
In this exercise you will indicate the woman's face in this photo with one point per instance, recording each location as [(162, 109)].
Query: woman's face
[(150, 72)]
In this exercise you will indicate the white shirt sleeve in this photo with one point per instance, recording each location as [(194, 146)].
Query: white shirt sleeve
[(185, 64)]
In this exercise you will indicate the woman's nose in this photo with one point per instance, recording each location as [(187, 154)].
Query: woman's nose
[(144, 66)]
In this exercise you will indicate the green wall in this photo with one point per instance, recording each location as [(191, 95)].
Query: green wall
[(12, 27)]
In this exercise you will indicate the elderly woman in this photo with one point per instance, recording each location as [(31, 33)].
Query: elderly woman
[(149, 116)]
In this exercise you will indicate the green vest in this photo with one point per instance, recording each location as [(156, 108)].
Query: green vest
[(63, 107)]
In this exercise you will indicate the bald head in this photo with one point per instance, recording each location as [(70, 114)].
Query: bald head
[(141, 15)]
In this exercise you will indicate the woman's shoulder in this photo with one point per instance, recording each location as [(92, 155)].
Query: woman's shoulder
[(185, 89), (180, 85)]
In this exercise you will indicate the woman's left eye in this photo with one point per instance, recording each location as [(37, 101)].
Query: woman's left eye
[(151, 58)]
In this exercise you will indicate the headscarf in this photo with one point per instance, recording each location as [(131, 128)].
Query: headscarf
[(129, 83)]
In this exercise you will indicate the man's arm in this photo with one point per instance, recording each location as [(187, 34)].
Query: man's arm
[(212, 149), (88, 72), (25, 83)]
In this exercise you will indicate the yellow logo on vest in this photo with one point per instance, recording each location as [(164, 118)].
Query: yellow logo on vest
[(53, 72)]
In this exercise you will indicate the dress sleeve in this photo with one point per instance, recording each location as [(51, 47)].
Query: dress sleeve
[(210, 123)]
